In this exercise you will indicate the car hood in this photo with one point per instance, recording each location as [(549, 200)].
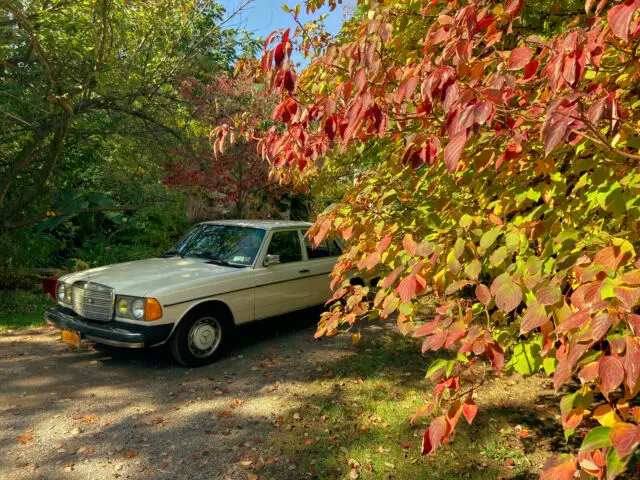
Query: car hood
[(140, 277)]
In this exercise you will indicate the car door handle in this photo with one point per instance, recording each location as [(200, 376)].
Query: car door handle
[(306, 270)]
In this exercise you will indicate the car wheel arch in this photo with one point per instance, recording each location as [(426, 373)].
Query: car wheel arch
[(208, 307)]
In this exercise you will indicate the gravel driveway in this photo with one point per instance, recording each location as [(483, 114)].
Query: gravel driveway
[(94, 414)]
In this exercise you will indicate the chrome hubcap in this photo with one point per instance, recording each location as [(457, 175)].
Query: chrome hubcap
[(204, 337)]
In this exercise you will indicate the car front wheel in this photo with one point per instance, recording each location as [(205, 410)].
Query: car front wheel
[(200, 339)]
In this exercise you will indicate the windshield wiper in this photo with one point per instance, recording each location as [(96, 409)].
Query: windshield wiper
[(224, 263)]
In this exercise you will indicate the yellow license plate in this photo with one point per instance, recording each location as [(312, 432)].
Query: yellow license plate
[(71, 337)]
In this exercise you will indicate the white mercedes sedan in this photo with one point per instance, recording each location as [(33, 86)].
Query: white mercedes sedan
[(219, 275)]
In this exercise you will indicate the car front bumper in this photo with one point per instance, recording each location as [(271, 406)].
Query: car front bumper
[(117, 334)]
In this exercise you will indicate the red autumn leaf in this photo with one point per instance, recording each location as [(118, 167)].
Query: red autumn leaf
[(554, 135), (611, 257), (620, 18), (383, 244), (360, 79), (561, 374), (407, 288), (631, 362), (288, 81), (425, 409), (600, 326), (590, 371), (624, 437), (508, 296), (512, 7), (434, 342), (534, 317), (585, 295), (519, 57), (548, 295), (483, 293), (279, 54), (391, 278), (434, 435), (469, 410), (454, 149), (426, 328), (530, 69), (611, 373), (629, 297), (575, 320)]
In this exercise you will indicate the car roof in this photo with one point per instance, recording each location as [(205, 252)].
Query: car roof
[(264, 224)]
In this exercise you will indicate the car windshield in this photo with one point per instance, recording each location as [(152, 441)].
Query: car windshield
[(225, 244)]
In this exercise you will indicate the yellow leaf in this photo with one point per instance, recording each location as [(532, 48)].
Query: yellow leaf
[(355, 338), (606, 416)]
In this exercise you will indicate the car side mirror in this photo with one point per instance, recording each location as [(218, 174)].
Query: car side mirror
[(271, 260)]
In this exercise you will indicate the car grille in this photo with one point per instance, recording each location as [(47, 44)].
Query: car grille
[(92, 301)]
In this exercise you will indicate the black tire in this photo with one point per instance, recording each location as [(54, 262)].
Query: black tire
[(191, 344)]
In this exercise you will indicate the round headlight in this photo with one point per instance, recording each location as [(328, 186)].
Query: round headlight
[(123, 306), (137, 308), (61, 291)]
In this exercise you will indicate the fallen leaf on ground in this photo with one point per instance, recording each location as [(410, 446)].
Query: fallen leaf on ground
[(131, 453), (25, 438), (89, 419)]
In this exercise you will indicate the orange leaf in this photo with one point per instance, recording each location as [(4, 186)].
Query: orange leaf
[(25, 438)]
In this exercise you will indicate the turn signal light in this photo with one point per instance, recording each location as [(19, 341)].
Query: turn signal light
[(152, 310)]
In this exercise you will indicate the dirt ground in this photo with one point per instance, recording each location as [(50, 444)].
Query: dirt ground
[(97, 414), (87, 413)]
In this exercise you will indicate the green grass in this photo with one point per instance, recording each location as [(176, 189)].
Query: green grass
[(22, 309), (359, 411)]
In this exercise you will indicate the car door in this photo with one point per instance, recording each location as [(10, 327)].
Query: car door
[(320, 263), (280, 287)]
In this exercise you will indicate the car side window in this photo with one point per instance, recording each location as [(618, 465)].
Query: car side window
[(328, 248), (286, 245)]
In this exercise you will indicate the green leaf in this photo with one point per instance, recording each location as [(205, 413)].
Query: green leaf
[(466, 221), (405, 308), (488, 238), (512, 241), (549, 365), (568, 433), (462, 358), (596, 438), (615, 465), (472, 270), (526, 358), (450, 365), (435, 366), (498, 256)]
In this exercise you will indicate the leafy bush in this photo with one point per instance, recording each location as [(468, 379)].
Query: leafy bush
[(23, 301)]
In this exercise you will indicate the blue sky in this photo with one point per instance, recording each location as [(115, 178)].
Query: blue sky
[(265, 16)]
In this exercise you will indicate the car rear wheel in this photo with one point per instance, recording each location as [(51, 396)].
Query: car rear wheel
[(200, 339)]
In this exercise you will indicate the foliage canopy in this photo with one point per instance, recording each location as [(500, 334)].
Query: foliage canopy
[(497, 149)]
